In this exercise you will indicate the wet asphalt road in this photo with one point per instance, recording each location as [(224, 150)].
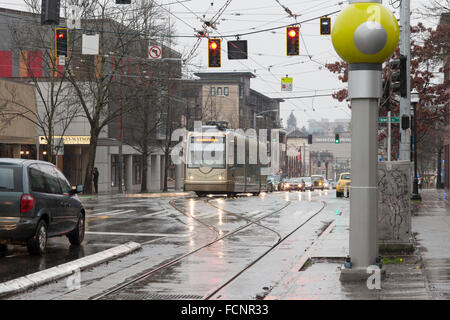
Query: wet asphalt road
[(166, 233)]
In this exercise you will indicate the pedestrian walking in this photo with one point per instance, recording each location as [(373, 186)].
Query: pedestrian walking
[(95, 178)]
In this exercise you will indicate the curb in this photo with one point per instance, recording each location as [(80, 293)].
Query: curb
[(42, 277)]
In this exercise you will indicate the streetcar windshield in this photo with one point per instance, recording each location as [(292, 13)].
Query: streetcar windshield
[(206, 151)]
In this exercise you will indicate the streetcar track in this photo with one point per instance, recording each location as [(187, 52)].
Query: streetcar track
[(176, 260), (217, 238), (211, 294)]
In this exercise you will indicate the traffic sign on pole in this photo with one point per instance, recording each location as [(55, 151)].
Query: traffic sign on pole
[(155, 52), (286, 84)]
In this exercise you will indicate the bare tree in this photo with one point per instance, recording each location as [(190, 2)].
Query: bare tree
[(103, 83)]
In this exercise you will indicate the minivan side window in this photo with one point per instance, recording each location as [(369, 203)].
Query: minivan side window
[(51, 179), (37, 180)]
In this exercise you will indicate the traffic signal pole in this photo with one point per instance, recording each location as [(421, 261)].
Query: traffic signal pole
[(365, 34), (405, 50)]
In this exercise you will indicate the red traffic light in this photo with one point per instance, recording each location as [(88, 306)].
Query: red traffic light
[(214, 56), (60, 35), (292, 33), (213, 45), (293, 43)]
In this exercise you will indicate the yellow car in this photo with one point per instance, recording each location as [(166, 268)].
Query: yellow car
[(343, 181)]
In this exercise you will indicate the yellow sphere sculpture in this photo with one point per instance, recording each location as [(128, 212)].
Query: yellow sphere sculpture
[(365, 33)]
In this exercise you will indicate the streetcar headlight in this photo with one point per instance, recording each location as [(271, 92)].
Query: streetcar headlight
[(191, 177), (222, 176)]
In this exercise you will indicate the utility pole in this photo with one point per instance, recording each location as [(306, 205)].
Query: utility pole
[(405, 103)]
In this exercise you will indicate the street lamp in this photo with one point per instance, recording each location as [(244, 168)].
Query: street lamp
[(255, 115), (415, 101)]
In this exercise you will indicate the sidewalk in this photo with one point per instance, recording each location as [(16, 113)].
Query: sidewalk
[(422, 275)]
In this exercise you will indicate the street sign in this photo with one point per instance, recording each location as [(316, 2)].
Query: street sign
[(385, 120), (286, 84), (154, 52), (58, 146), (62, 60)]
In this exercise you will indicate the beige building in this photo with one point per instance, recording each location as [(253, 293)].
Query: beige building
[(227, 96), (17, 134)]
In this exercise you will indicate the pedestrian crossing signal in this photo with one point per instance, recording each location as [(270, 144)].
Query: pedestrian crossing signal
[(214, 58), (292, 41)]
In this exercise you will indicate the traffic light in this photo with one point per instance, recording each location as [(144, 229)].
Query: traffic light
[(336, 138), (299, 157), (62, 42), (325, 26), (214, 59), (292, 41), (50, 12), (399, 76), (309, 138)]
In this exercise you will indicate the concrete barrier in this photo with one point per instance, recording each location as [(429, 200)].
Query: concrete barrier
[(39, 278)]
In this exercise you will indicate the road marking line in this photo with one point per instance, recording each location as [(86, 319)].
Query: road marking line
[(120, 212), (138, 234), (105, 213)]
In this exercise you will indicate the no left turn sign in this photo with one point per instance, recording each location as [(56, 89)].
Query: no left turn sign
[(154, 52)]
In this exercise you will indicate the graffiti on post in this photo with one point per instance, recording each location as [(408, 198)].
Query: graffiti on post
[(394, 217)]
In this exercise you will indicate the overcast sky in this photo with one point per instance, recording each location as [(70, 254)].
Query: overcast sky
[(267, 50)]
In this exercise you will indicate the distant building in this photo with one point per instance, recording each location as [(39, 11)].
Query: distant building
[(325, 127), (227, 96)]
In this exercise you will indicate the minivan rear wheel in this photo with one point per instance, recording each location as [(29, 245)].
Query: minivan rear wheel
[(37, 244), (76, 236)]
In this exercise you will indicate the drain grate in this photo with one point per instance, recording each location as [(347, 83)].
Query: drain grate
[(154, 296)]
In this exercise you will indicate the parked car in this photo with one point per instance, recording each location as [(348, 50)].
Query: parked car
[(343, 182), (317, 182), (36, 203)]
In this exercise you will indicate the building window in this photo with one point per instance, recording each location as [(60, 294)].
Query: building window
[(213, 91), (219, 91), (137, 169), (226, 92)]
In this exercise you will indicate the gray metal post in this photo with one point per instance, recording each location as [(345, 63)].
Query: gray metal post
[(405, 103), (364, 92)]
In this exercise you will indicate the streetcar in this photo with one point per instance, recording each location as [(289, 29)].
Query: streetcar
[(217, 164)]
